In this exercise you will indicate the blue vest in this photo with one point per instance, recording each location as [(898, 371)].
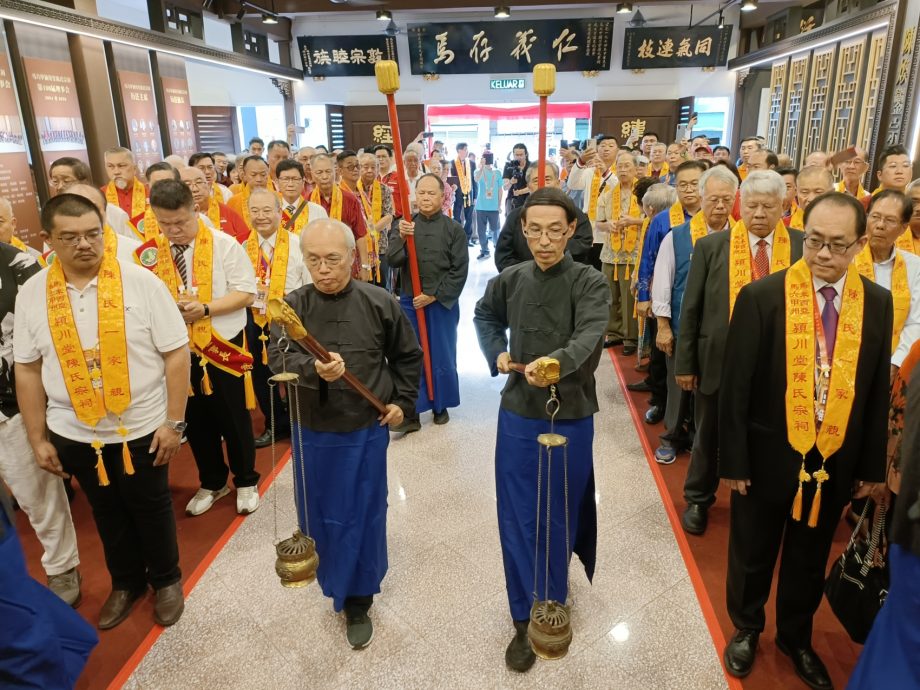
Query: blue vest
[(683, 250)]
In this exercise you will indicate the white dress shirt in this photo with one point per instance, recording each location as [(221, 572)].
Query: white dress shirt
[(582, 177), (297, 274), (232, 271), (224, 192), (313, 211), (125, 246), (663, 277), (119, 221), (838, 286), (911, 329), (153, 326)]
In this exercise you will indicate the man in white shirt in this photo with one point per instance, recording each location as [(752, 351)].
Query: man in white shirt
[(594, 174), (278, 264), (217, 410), (66, 171), (205, 163), (895, 270), (125, 246), (102, 377), (296, 210)]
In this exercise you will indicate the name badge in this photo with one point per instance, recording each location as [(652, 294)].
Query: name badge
[(261, 301)]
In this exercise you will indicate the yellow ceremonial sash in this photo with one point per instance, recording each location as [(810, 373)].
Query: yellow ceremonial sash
[(278, 272), (373, 208), (150, 228), (214, 210), (335, 204), (676, 215), (906, 242), (739, 258), (743, 171), (595, 193), (463, 175), (302, 218), (842, 188), (664, 172), (138, 197), (107, 387), (699, 229), (628, 239), (797, 219), (900, 288), (804, 378)]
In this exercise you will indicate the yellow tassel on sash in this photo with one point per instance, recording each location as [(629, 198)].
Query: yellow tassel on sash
[(100, 465), (815, 508), (797, 505), (264, 338), (249, 391), (126, 458), (205, 379)]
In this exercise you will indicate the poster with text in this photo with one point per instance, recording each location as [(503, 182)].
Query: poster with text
[(179, 116), (141, 117), (56, 107)]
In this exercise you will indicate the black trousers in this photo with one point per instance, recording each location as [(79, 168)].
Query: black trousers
[(221, 416), (702, 480), (133, 514), (260, 375), (464, 214), (657, 377), (757, 530), (594, 256)]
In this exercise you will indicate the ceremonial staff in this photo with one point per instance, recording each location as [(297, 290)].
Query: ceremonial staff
[(544, 83), (387, 73)]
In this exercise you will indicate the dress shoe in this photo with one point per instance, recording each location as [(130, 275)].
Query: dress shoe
[(203, 500), (740, 651), (442, 417), (695, 518), (117, 607), (639, 387), (408, 425), (654, 414), (67, 586), (265, 440), (359, 631), (247, 500), (629, 350), (612, 342), (808, 666), (169, 605), (665, 455), (519, 656)]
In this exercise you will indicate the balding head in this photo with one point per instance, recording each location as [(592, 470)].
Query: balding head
[(811, 182), (328, 251), (89, 192), (195, 179)]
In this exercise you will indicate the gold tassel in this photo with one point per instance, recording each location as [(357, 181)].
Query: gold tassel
[(627, 271), (264, 338), (191, 391), (126, 458), (815, 508), (249, 390), (797, 504), (205, 379), (100, 465)]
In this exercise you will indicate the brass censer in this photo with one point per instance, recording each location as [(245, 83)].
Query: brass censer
[(297, 560), (550, 627)]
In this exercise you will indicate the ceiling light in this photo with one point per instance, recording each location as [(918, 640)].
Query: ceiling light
[(384, 15), (269, 18), (721, 21), (624, 7), (502, 12), (748, 5)]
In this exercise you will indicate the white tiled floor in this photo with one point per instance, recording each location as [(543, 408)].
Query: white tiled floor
[(442, 618)]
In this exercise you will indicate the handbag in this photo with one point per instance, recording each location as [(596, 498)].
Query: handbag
[(858, 583)]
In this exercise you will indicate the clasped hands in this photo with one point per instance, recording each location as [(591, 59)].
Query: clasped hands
[(335, 369)]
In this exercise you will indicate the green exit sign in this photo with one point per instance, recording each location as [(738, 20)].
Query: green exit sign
[(506, 84)]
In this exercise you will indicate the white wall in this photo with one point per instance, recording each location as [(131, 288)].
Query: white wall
[(212, 85), (615, 84)]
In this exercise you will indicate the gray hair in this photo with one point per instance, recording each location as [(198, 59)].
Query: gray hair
[(659, 197), (912, 186), (534, 167), (817, 171), (763, 182), (719, 173), (116, 151), (264, 191), (328, 223)]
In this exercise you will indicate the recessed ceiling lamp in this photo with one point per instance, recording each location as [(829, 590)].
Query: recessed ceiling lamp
[(502, 12), (384, 15), (748, 5), (624, 7), (269, 18), (721, 21)]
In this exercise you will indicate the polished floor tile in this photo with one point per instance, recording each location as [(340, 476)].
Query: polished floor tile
[(442, 619)]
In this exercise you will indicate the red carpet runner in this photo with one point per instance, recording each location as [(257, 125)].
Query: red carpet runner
[(200, 540), (706, 558)]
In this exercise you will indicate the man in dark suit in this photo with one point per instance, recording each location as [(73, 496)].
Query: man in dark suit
[(790, 423), (462, 174), (704, 320)]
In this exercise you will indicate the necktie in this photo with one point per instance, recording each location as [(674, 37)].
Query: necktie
[(829, 319), (761, 261), (178, 252)]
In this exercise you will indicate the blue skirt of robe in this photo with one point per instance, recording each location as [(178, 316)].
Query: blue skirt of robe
[(44, 643), (345, 478), (516, 460), (442, 339)]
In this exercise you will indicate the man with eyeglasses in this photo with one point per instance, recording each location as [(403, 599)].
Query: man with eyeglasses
[(554, 308), (253, 175), (205, 163), (443, 263), (722, 263), (296, 211), (802, 428), (672, 266), (377, 204), (894, 171), (853, 171), (102, 369), (340, 204), (124, 246), (340, 469), (220, 216), (66, 171)]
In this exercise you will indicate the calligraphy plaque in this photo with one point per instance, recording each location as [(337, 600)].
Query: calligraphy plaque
[(676, 46), (572, 45), (344, 56)]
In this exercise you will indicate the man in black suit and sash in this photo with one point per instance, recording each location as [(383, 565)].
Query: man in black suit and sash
[(803, 411)]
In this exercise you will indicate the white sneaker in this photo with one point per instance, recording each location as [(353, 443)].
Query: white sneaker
[(247, 500), (203, 500)]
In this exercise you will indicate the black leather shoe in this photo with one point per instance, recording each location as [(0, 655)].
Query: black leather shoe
[(695, 518), (442, 417), (519, 656), (629, 350), (265, 440), (654, 415), (639, 387), (740, 651), (612, 342), (808, 666)]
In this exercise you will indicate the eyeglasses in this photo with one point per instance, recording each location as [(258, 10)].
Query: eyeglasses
[(687, 186), (350, 166), (535, 234), (724, 200), (890, 223), (330, 261), (290, 180), (74, 240), (834, 247), (196, 184), (61, 182)]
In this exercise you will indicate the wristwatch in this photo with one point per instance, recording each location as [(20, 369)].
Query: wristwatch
[(207, 310), (178, 426)]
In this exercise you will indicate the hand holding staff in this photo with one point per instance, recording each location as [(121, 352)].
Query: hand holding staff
[(544, 83)]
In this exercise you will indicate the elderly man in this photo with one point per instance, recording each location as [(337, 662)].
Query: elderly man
[(377, 202), (124, 189), (346, 501), (803, 416), (221, 216), (893, 171), (895, 270), (462, 173), (512, 247), (389, 176), (762, 159), (278, 264), (717, 193), (348, 170), (340, 204), (205, 163), (657, 161), (853, 171), (442, 268), (212, 283), (102, 391), (817, 159), (789, 206), (221, 163), (8, 234), (554, 308), (277, 151), (253, 175), (594, 174), (304, 156), (810, 183), (414, 171), (63, 172), (296, 211), (758, 245)]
